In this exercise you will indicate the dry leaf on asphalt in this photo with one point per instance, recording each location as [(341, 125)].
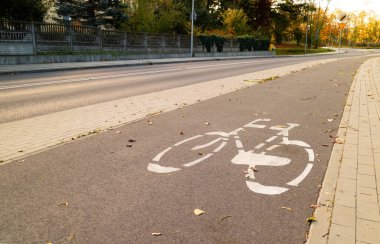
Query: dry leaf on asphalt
[(198, 212), (330, 120), (289, 209), (129, 145), (225, 217), (71, 237), (132, 140), (150, 122), (66, 204), (118, 132), (156, 234), (325, 145), (181, 132), (207, 123)]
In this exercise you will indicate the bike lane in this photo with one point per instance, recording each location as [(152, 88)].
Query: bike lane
[(99, 189)]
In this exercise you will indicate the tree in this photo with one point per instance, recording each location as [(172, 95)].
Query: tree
[(109, 13), (23, 10), (163, 16), (235, 21)]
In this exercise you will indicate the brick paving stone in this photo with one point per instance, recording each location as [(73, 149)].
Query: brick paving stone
[(355, 208)]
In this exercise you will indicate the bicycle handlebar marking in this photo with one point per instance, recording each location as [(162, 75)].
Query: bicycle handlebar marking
[(250, 158)]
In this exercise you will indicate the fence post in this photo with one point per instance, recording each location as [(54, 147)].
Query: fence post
[(125, 43), (164, 42), (100, 39), (34, 41), (146, 41), (179, 43), (71, 37)]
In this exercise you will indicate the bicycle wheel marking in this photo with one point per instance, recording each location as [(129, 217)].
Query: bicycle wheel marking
[(161, 169), (260, 146), (206, 145), (188, 139), (220, 147), (302, 176), (252, 158), (267, 190), (272, 147), (198, 160), (271, 139), (310, 152), (158, 157)]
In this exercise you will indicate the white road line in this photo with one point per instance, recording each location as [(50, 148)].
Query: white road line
[(158, 157), (271, 139), (302, 176), (272, 147), (198, 160), (220, 147), (260, 145), (238, 143), (161, 169), (267, 190), (188, 139), (206, 145), (310, 152)]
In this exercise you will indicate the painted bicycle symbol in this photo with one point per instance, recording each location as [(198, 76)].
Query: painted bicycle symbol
[(259, 156)]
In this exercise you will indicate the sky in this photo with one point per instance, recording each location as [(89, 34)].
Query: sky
[(355, 5)]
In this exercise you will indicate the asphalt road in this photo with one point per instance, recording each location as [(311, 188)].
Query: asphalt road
[(28, 95), (99, 190)]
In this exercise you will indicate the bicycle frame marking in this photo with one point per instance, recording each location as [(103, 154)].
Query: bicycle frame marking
[(249, 158)]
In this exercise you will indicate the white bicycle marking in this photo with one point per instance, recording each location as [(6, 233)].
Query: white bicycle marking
[(198, 160), (310, 152), (272, 147), (206, 145), (267, 190), (251, 158), (186, 140), (158, 157), (161, 169), (302, 176), (220, 147)]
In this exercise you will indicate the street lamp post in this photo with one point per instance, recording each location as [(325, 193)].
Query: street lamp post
[(307, 27), (192, 29)]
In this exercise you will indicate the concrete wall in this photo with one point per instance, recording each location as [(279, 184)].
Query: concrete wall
[(39, 59)]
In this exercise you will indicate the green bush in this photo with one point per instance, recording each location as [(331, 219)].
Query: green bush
[(251, 43), (208, 42)]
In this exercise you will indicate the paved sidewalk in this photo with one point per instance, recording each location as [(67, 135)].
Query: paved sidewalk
[(23, 137), (351, 189)]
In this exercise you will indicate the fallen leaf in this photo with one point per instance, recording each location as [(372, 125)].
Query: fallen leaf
[(339, 140), (132, 140), (330, 120), (156, 234), (181, 133), (150, 122), (207, 123), (21, 151), (311, 219), (315, 205), (308, 98), (225, 217), (71, 237), (253, 168), (201, 153), (280, 126), (289, 209), (118, 132), (129, 145), (198, 212), (66, 204), (325, 145)]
